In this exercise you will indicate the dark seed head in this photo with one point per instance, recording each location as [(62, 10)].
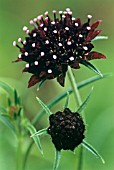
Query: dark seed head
[(66, 129), (54, 44)]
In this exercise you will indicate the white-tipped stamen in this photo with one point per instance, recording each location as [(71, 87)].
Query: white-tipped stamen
[(27, 65), (24, 42), (31, 22), (89, 16), (80, 35), (41, 25), (26, 53), (53, 22), (54, 57), (34, 35), (45, 29), (66, 28), (28, 32), (25, 28), (19, 40), (69, 43), (70, 12), (19, 56), (73, 19), (76, 53), (47, 42), (46, 13), (68, 9), (14, 43), (71, 58), (60, 45), (76, 24), (33, 45), (63, 16), (65, 12), (55, 31), (35, 19), (36, 63), (39, 17), (54, 11), (60, 12), (49, 71), (42, 54), (88, 28), (85, 48)]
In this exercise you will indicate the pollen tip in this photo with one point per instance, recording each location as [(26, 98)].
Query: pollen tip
[(31, 22), (60, 12), (68, 9), (25, 28), (26, 53), (89, 16), (54, 11), (46, 13), (35, 19), (14, 43), (19, 40)]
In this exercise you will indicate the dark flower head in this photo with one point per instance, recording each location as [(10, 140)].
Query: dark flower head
[(66, 129), (55, 44)]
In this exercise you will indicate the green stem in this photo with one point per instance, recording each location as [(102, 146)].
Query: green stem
[(79, 102), (74, 87), (19, 154), (26, 155)]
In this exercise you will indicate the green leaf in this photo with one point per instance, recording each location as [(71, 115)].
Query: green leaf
[(92, 150), (3, 110), (91, 67), (6, 120), (36, 139), (83, 105), (100, 38), (67, 100), (91, 80), (57, 159), (7, 88), (40, 84), (9, 101), (47, 110), (64, 94), (40, 132), (15, 97)]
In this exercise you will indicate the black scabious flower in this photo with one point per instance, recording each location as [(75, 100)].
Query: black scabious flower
[(55, 44), (66, 129)]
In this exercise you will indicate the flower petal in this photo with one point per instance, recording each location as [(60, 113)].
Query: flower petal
[(95, 55), (95, 25), (61, 79), (33, 80), (19, 59), (75, 65), (92, 35)]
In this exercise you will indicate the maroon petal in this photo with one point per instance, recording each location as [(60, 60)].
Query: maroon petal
[(75, 65), (61, 79), (33, 80), (25, 69), (95, 55), (92, 35), (95, 25), (19, 59), (42, 74), (78, 20)]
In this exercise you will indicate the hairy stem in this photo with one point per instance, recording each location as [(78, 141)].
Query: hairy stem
[(79, 102)]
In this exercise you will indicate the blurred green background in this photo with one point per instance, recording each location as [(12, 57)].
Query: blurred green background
[(100, 110)]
